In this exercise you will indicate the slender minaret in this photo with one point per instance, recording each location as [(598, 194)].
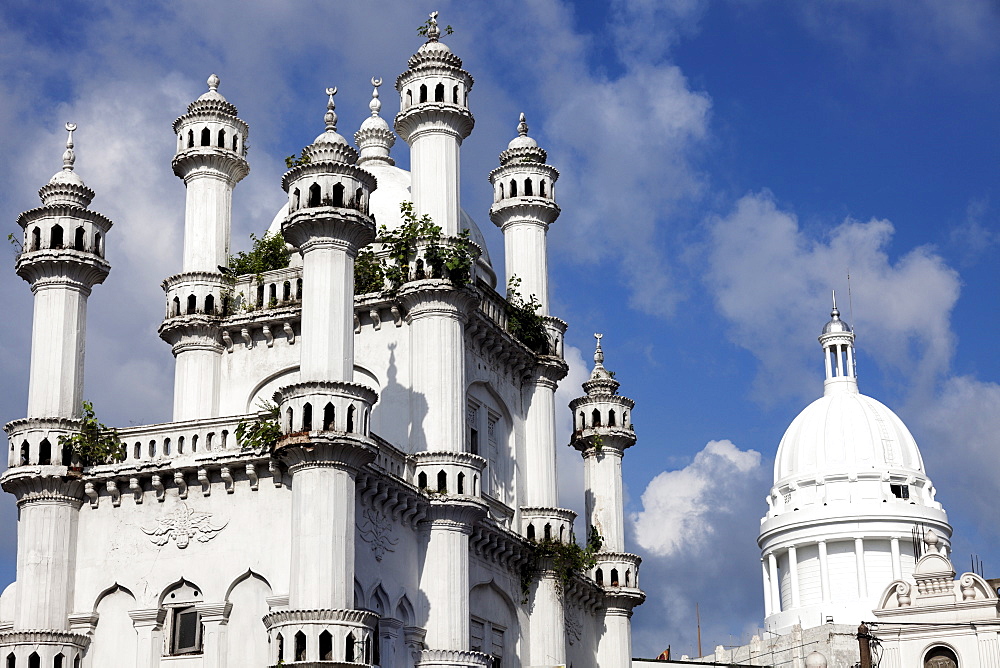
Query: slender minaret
[(375, 139), (524, 207), (211, 160), (326, 415), (602, 431), (62, 259), (434, 118), (837, 340)]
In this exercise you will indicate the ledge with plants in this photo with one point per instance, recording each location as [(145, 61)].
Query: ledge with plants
[(94, 444), (568, 560)]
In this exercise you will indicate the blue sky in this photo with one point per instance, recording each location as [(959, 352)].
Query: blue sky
[(724, 165)]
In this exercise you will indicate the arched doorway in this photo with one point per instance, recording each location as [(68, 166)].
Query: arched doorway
[(940, 657)]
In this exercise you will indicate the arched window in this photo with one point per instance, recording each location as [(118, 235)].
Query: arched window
[(475, 485), (531, 532), (328, 417), (222, 139), (442, 482), (422, 480), (600, 576), (359, 199), (45, 452), (78, 239), (528, 190), (350, 419), (260, 295), (190, 138), (272, 295), (298, 288), (137, 453), (314, 195), (940, 657), (349, 648), (461, 483), (98, 248), (56, 237), (439, 93), (180, 445), (77, 661), (34, 661), (281, 648), (502, 196), (166, 446), (206, 137), (454, 95), (409, 97), (289, 422), (192, 304), (194, 443), (541, 188), (423, 93), (583, 421), (596, 417), (296, 196), (36, 239), (614, 577), (611, 418), (307, 417), (210, 304), (175, 306), (57, 662), (11, 661), (152, 449), (325, 646), (628, 578), (235, 142), (25, 453), (547, 532), (513, 188), (286, 291), (300, 646), (624, 418), (338, 194)]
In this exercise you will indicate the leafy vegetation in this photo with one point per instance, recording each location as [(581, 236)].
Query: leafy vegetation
[(567, 559), (294, 160), (94, 443), (425, 28), (450, 259), (268, 252), (523, 320), (260, 434), (369, 275)]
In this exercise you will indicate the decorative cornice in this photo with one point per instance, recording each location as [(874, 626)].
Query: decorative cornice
[(352, 617), (328, 226), (62, 267), (44, 637), (324, 449), (210, 161), (64, 211), (459, 513), (342, 166), (432, 458), (513, 211), (434, 117), (437, 297), (35, 485), (452, 658), (191, 332)]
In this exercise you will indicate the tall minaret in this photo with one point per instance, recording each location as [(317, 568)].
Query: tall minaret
[(602, 431), (524, 207), (325, 416), (374, 138), (434, 118), (62, 259), (211, 159)]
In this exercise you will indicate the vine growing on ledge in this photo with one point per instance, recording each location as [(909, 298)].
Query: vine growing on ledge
[(448, 258), (95, 443), (523, 320), (369, 275), (260, 434), (568, 560), (268, 252)]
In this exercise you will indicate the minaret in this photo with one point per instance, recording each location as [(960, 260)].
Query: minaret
[(524, 206), (602, 431), (850, 492), (211, 159), (62, 259), (434, 118), (375, 139), (325, 416)]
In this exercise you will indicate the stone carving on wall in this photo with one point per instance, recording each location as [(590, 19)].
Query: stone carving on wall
[(376, 530), (183, 525), (574, 625)]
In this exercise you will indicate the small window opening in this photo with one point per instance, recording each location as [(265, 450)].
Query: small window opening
[(137, 452), (166, 446), (349, 648), (210, 304), (77, 661), (350, 419), (314, 195), (359, 196), (25, 453), (422, 480), (547, 532), (176, 310), (596, 417), (611, 418), (513, 188), (235, 143), (152, 448), (281, 648), (439, 93), (454, 95), (194, 443), (57, 662), (325, 646), (307, 417), (286, 291), (474, 441), (628, 578), (614, 577), (36, 239), (208, 440), (180, 445), (541, 188), (272, 294), (289, 420), (409, 97), (56, 237), (528, 189), (298, 288), (45, 452), (600, 576), (296, 196), (531, 532), (900, 491), (300, 646), (338, 195), (225, 437), (206, 137), (190, 139), (583, 421), (186, 631), (423, 93), (442, 482), (260, 295), (78, 239), (461, 483), (502, 196), (222, 139), (328, 416), (34, 661), (192, 304)]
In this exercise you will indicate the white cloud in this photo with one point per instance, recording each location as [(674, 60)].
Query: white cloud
[(772, 281), (678, 506)]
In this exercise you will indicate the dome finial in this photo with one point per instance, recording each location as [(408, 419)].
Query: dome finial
[(375, 105), (331, 116), (598, 353), (69, 157), (213, 83), (522, 126), (433, 31)]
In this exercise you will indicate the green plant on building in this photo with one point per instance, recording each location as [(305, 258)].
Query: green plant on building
[(95, 443), (523, 320)]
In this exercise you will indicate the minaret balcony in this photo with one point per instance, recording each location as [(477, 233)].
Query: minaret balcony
[(547, 524), (434, 118), (62, 267), (35, 441), (327, 225), (209, 161), (43, 647), (449, 474), (322, 637), (616, 571)]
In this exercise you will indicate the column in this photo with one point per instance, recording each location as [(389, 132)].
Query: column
[(445, 582), (215, 643), (603, 481), (613, 650), (824, 571), (541, 490), (327, 311), (435, 166), (389, 631), (793, 574), (897, 565), (850, 361), (58, 340), (148, 625), (859, 555), (547, 623), (772, 564), (767, 588)]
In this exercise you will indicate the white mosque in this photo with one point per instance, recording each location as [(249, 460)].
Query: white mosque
[(397, 506)]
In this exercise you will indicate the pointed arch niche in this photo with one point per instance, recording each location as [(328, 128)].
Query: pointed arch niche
[(489, 434)]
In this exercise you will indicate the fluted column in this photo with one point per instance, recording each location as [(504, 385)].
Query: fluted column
[(148, 625), (215, 640), (547, 621), (793, 574), (824, 571)]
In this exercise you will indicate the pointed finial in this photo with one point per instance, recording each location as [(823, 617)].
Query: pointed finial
[(331, 116), (69, 157), (213, 83), (598, 353), (433, 32), (835, 312), (522, 126), (375, 105)]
